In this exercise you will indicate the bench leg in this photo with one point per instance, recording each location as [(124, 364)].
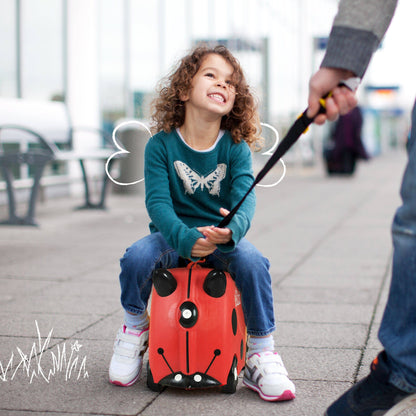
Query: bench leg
[(86, 187), (29, 219), (88, 204), (13, 218), (105, 185)]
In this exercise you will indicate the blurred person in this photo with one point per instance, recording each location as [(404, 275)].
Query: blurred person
[(345, 146), (198, 166), (390, 386)]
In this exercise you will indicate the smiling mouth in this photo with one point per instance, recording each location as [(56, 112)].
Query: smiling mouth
[(219, 98)]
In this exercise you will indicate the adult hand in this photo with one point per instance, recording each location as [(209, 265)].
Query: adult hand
[(342, 100)]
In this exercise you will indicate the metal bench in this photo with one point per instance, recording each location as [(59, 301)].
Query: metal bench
[(47, 134)]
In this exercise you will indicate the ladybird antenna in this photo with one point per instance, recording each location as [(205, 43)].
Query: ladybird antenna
[(161, 352), (216, 354)]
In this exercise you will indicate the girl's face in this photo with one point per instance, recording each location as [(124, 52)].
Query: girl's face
[(212, 90)]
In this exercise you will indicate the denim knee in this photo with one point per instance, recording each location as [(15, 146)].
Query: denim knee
[(250, 269), (137, 265)]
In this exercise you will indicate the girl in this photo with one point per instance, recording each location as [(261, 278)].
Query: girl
[(196, 168)]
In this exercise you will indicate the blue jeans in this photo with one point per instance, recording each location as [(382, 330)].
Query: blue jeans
[(245, 263), (398, 327)]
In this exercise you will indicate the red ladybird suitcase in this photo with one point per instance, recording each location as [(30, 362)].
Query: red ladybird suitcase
[(197, 332), (197, 335)]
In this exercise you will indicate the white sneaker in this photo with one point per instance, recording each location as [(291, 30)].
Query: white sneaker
[(266, 374), (126, 363)]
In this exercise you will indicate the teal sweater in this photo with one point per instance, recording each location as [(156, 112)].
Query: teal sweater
[(185, 189)]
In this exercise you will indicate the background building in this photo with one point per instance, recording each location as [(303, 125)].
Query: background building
[(103, 58)]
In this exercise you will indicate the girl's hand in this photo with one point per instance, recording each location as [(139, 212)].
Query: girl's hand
[(217, 235), (202, 247)]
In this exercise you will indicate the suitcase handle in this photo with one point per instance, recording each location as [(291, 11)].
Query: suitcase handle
[(195, 263)]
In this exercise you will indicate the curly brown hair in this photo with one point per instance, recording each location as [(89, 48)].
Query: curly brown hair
[(168, 110)]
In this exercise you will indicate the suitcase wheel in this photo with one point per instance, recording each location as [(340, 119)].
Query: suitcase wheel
[(232, 379), (150, 383)]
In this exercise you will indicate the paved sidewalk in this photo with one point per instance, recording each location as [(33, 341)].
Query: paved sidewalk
[(328, 240)]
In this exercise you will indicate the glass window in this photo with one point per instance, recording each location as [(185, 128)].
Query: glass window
[(42, 50), (8, 49), (146, 56), (112, 52)]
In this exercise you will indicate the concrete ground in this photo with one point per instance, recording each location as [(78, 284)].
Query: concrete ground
[(328, 240)]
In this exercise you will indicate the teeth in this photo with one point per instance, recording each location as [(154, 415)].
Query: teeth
[(217, 97)]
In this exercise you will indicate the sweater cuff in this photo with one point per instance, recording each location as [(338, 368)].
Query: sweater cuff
[(227, 248), (350, 48), (185, 248), (238, 226)]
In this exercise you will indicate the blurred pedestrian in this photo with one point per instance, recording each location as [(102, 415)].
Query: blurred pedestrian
[(390, 387), (344, 145)]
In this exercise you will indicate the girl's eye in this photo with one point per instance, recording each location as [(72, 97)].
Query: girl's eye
[(231, 86), (209, 74)]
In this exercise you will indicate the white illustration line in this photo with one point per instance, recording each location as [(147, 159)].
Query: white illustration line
[(270, 152), (33, 365), (122, 150)]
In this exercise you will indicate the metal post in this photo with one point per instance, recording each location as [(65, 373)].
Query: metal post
[(265, 79)]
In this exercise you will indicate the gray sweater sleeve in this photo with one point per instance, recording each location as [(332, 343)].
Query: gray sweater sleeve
[(358, 29)]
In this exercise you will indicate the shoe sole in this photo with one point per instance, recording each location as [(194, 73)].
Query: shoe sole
[(127, 383), (286, 395), (119, 383), (405, 404)]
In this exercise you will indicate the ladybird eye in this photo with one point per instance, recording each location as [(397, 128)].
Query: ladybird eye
[(164, 282), (215, 284)]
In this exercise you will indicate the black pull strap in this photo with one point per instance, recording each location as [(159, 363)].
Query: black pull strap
[(295, 131)]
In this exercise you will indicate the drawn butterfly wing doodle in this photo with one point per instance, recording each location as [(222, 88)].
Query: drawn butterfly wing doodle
[(191, 180), (213, 180)]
